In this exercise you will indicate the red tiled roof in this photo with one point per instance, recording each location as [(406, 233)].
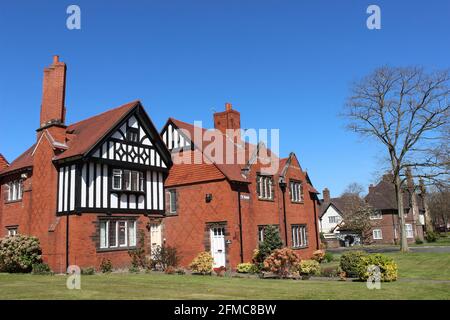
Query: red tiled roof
[(82, 136), (25, 160)]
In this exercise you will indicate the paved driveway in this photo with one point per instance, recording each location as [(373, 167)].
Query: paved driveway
[(383, 249)]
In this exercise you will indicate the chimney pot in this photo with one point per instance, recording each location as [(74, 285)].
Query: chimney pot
[(228, 106), (326, 195), (55, 59)]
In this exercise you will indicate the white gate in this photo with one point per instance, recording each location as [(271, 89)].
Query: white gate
[(155, 236), (217, 235)]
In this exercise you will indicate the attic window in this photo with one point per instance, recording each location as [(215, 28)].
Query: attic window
[(132, 135), (296, 190)]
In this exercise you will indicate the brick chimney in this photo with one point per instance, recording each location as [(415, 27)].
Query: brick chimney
[(53, 111), (326, 195), (228, 119)]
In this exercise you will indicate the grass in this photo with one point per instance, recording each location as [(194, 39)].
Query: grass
[(421, 277), (442, 240)]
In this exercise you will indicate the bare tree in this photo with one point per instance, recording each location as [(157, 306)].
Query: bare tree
[(406, 109), (439, 206), (353, 188)]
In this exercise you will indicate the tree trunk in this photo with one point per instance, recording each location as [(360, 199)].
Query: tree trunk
[(401, 215)]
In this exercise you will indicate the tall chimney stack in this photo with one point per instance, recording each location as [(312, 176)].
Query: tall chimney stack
[(228, 119), (53, 111), (326, 195)]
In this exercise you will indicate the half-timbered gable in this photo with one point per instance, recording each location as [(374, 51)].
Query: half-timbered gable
[(122, 172), (176, 138)]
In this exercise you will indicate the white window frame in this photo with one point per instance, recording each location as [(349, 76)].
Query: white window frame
[(299, 236), (375, 235), (334, 218), (129, 243), (261, 233), (409, 231), (296, 190), (265, 184), (172, 206), (15, 190), (12, 231), (117, 173)]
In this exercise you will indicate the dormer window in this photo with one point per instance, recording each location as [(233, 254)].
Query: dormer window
[(133, 135)]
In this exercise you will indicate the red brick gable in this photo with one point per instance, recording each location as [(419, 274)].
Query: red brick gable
[(3, 162)]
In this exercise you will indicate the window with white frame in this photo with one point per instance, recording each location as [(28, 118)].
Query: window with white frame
[(299, 236), (377, 234), (14, 190), (334, 219), (376, 215), (264, 187), (12, 231), (172, 201), (128, 180), (133, 135), (117, 234), (296, 190), (409, 231)]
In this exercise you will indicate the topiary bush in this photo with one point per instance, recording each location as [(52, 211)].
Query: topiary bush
[(282, 262), (41, 269), (387, 265), (19, 253), (202, 263), (308, 268), (351, 262)]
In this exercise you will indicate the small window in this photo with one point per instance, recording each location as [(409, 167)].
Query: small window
[(173, 201), (261, 233), (377, 234), (296, 191), (132, 135), (14, 190), (122, 232), (117, 179), (376, 215), (409, 231), (334, 219), (299, 236), (264, 187), (12, 231)]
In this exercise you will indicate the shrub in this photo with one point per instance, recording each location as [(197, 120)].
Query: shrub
[(330, 272), (42, 269), (388, 267), (165, 256), (106, 266), (202, 263), (170, 270), (309, 268), (180, 271), (282, 262), (220, 271), (272, 241), (350, 263), (89, 271), (431, 236), (328, 257), (245, 267), (138, 257), (318, 255), (19, 253), (133, 269), (419, 241)]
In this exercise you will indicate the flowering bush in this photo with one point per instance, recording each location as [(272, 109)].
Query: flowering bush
[(309, 268), (203, 263), (388, 268), (318, 255), (19, 253), (282, 262)]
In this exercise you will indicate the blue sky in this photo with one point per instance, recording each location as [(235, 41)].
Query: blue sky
[(282, 64)]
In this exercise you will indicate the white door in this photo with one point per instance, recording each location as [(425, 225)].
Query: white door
[(155, 235), (217, 235)]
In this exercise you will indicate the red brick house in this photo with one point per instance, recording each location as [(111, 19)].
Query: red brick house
[(223, 208), (86, 190)]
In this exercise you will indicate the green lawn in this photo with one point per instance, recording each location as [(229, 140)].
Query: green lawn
[(414, 269)]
